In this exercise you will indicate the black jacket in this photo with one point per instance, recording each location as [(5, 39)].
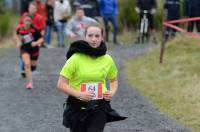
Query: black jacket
[(24, 4), (173, 8), (50, 16), (91, 7), (146, 4), (192, 8), (73, 112)]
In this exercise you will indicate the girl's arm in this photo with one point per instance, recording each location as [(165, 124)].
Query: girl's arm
[(63, 85), (17, 40), (113, 89), (38, 42)]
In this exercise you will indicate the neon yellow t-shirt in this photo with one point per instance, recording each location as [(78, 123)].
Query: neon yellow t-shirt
[(81, 68)]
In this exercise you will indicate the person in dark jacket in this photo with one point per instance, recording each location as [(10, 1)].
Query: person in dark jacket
[(150, 6), (109, 12), (83, 78), (172, 11), (90, 7), (24, 4), (192, 9), (49, 21)]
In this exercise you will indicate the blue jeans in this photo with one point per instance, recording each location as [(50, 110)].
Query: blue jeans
[(113, 20), (48, 32), (60, 27)]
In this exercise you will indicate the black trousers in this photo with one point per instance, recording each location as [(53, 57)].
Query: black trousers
[(191, 26), (95, 123)]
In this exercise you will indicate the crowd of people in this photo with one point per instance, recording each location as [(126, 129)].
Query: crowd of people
[(56, 15), (172, 11), (191, 9), (59, 15)]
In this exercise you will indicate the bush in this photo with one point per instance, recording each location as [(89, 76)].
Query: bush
[(1, 6), (5, 24), (127, 16), (158, 18)]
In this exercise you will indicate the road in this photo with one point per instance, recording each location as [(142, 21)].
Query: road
[(40, 109)]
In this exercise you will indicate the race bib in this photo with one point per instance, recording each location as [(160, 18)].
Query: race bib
[(27, 38), (96, 88)]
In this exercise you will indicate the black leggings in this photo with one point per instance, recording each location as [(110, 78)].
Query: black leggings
[(95, 123)]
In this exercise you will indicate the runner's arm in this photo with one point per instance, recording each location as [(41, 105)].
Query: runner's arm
[(38, 42), (17, 40), (113, 89), (63, 85)]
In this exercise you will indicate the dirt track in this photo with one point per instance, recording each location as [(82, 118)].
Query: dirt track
[(40, 110)]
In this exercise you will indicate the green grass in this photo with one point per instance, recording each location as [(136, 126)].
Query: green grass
[(173, 86), (127, 37), (7, 41)]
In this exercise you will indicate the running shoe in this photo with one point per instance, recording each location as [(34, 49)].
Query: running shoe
[(29, 85)]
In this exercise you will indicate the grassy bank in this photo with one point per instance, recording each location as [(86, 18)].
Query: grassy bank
[(174, 86), (7, 40)]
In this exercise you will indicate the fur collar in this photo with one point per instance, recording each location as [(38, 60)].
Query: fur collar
[(82, 46)]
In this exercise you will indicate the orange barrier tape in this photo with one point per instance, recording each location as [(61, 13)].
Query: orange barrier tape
[(184, 20), (170, 24)]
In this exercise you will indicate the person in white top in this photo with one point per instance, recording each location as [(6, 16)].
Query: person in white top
[(62, 12), (77, 24)]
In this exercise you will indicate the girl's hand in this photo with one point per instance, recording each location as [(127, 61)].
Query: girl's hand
[(108, 95), (86, 95), (34, 44)]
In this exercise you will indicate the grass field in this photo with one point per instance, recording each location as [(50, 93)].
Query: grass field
[(173, 86)]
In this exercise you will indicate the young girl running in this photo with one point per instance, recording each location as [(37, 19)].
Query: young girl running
[(83, 78), (28, 40)]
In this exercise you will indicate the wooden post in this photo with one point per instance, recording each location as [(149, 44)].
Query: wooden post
[(162, 48), (163, 41)]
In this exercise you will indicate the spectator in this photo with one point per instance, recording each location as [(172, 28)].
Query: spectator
[(90, 7), (172, 9), (77, 24), (41, 8), (37, 20), (49, 21), (150, 6), (24, 4), (62, 12), (41, 11), (109, 12), (192, 9)]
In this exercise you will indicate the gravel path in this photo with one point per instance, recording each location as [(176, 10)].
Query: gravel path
[(40, 109)]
